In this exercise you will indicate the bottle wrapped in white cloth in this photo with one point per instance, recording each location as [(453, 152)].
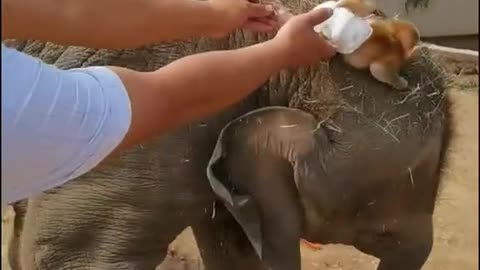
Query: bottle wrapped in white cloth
[(344, 30)]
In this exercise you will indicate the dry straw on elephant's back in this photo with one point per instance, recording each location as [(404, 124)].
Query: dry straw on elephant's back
[(330, 92), (321, 89), (319, 95)]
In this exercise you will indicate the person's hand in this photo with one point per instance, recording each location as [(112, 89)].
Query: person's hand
[(301, 45), (233, 14)]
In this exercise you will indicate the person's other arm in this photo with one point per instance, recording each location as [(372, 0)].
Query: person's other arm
[(126, 23)]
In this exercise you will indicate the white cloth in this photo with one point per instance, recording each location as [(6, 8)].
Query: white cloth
[(343, 29), (56, 124)]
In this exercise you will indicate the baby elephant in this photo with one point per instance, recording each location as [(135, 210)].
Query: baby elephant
[(285, 177), (348, 174)]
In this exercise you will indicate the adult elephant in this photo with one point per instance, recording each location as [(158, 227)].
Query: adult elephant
[(324, 153)]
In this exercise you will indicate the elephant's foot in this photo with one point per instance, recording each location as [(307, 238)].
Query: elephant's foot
[(310, 245)]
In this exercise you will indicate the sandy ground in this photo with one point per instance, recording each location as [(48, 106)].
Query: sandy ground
[(456, 217)]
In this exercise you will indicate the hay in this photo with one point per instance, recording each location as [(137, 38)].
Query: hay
[(331, 92), (318, 95)]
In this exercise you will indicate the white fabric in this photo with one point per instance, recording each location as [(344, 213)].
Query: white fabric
[(343, 29), (56, 124)]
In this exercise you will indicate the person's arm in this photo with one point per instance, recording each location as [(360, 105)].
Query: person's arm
[(124, 23), (198, 85), (194, 87)]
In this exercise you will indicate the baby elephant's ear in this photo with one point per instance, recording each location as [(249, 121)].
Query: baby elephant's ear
[(250, 169)]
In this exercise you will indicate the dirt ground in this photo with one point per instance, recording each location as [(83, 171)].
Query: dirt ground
[(456, 216)]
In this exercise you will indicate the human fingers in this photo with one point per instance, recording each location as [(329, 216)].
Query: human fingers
[(258, 26), (317, 16), (255, 10), (265, 20), (283, 16)]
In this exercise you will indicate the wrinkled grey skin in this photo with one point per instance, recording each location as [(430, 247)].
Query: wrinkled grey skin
[(355, 179)]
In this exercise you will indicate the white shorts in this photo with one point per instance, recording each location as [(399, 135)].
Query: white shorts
[(56, 124)]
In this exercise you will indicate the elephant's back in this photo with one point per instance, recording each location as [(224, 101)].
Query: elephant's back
[(352, 104), (335, 88), (406, 121)]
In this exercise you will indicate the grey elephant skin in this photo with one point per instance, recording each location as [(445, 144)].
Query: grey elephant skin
[(324, 153)]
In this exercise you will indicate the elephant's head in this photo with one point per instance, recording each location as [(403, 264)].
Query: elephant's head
[(357, 166)]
